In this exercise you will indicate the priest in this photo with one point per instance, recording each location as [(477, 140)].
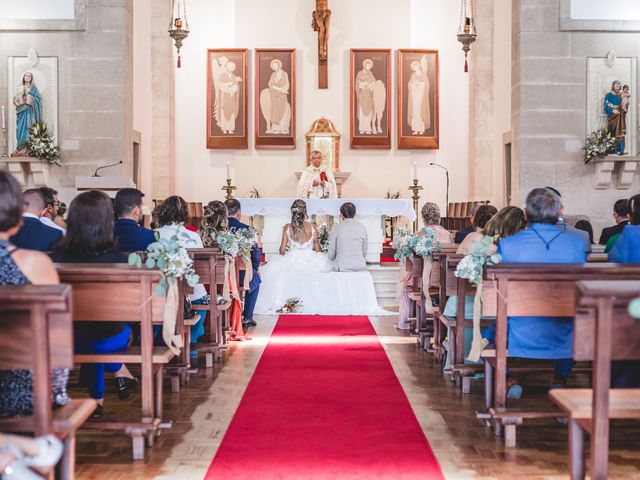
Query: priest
[(317, 181)]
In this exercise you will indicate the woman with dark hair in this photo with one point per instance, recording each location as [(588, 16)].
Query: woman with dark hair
[(483, 214), (89, 239), (586, 226), (22, 267)]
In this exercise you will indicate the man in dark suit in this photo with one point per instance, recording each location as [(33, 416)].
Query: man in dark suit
[(621, 216), (33, 234), (251, 295), (127, 233)]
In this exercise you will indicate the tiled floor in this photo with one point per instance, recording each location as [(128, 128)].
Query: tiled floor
[(202, 411)]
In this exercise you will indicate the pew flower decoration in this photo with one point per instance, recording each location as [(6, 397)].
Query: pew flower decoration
[(401, 242), (424, 245), (599, 144), (634, 308), (471, 267), (292, 305), (234, 244)]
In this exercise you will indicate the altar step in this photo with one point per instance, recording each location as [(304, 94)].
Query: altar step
[(385, 279)]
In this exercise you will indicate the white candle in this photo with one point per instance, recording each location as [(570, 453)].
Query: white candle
[(415, 170), (228, 169), (4, 125)]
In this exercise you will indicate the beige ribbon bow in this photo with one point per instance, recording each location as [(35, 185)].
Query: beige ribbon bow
[(173, 341)]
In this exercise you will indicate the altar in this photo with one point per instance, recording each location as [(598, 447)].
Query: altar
[(370, 212)]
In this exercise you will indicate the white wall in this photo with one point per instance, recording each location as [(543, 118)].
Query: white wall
[(286, 24), (37, 9), (599, 10)]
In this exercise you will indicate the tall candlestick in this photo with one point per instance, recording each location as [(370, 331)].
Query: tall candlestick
[(228, 169), (3, 120), (415, 170)]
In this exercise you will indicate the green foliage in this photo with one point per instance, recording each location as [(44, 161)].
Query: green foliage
[(482, 254), (598, 145), (40, 144)]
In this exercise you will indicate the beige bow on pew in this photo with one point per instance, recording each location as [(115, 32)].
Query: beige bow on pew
[(173, 341)]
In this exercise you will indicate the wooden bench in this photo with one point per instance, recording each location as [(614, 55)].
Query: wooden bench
[(36, 333), (535, 290), (601, 313), (120, 293)]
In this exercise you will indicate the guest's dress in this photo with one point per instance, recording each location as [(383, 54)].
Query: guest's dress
[(97, 337), (16, 391)]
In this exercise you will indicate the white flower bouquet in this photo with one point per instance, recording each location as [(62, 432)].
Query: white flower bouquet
[(292, 305), (598, 145), (40, 144)]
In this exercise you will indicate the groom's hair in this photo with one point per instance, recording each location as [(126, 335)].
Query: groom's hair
[(233, 206), (348, 210)]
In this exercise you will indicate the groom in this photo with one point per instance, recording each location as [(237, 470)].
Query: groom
[(348, 242), (251, 295)]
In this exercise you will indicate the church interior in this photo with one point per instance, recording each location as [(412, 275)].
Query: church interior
[(313, 239)]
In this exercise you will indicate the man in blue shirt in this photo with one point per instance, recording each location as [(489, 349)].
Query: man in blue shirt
[(127, 233), (33, 234), (544, 241)]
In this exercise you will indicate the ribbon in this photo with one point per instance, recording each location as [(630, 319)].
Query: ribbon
[(478, 343), (173, 341), (248, 273), (230, 289), (426, 277)]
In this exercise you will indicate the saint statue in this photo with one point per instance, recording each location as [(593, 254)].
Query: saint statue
[(418, 105), (320, 23), (616, 115), (316, 180), (28, 103), (227, 94), (274, 102), (371, 98)]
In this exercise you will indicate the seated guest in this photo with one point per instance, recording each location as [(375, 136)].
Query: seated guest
[(214, 221), (21, 267), (33, 234), (170, 217), (462, 234), (348, 242), (480, 218), (586, 226), (568, 228), (128, 234), (250, 296), (621, 217), (545, 241), (89, 239), (52, 204)]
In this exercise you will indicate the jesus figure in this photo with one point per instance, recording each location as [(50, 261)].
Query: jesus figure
[(316, 180)]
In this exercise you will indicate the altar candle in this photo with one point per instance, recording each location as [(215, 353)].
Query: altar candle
[(415, 170), (228, 169), (3, 121)]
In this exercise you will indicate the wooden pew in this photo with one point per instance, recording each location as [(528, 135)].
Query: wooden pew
[(36, 333), (601, 313), (538, 290), (120, 293)]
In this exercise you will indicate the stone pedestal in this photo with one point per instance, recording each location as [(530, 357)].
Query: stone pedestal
[(108, 185), (341, 178), (623, 167), (30, 172)]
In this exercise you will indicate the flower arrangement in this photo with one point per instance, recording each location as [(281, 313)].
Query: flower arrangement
[(392, 195), (598, 145), (401, 238), (171, 259), (408, 244), (324, 231), (40, 144), (292, 305), (237, 243)]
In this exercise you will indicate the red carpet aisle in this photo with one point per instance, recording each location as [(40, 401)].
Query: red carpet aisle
[(324, 403)]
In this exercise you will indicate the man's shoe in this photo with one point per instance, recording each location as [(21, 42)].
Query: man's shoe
[(124, 385), (249, 322), (97, 413)]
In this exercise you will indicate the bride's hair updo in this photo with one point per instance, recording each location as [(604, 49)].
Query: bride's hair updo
[(214, 221), (298, 217)]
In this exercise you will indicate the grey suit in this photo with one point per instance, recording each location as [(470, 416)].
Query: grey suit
[(348, 246)]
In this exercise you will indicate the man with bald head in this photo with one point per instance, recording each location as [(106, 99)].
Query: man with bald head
[(33, 234)]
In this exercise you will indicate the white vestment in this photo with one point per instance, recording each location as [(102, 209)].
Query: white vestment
[(306, 188)]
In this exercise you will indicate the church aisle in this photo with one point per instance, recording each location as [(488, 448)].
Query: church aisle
[(324, 403)]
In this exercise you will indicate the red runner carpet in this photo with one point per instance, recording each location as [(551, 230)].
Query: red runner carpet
[(324, 403)]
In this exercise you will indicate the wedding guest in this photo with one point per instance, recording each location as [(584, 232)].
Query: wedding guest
[(483, 214), (33, 234), (171, 217), (215, 221), (621, 217), (52, 205), (462, 234), (348, 242), (20, 267), (251, 295), (89, 239), (585, 226), (128, 234), (545, 241)]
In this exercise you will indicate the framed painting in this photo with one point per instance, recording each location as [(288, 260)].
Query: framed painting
[(227, 120), (275, 109), (370, 111), (32, 98), (418, 99)]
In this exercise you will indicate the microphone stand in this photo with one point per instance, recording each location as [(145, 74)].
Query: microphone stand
[(433, 164), (95, 174)]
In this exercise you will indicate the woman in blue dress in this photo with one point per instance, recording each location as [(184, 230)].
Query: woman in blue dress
[(28, 102)]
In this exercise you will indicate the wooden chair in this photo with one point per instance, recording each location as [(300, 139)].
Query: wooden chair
[(604, 331), (36, 333), (119, 293)]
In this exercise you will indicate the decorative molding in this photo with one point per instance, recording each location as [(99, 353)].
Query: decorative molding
[(568, 24), (30, 172), (606, 168), (78, 23)]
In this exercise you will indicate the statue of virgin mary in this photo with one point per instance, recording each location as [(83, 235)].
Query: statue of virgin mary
[(28, 103)]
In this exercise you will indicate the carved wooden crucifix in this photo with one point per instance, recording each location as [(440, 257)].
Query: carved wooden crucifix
[(320, 23)]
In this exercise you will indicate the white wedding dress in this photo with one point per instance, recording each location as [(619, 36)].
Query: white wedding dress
[(308, 275)]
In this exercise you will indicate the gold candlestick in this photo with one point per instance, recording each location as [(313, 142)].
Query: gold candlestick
[(415, 188), (229, 189)]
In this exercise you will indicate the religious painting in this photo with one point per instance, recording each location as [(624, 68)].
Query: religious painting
[(611, 100), (275, 111), (32, 99), (227, 120), (418, 109), (370, 98)]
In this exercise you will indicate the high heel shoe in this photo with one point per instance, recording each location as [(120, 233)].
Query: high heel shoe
[(124, 385)]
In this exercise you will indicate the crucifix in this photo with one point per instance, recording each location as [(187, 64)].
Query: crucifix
[(320, 23)]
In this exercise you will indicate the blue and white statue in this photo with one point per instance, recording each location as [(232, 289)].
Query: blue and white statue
[(28, 103)]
